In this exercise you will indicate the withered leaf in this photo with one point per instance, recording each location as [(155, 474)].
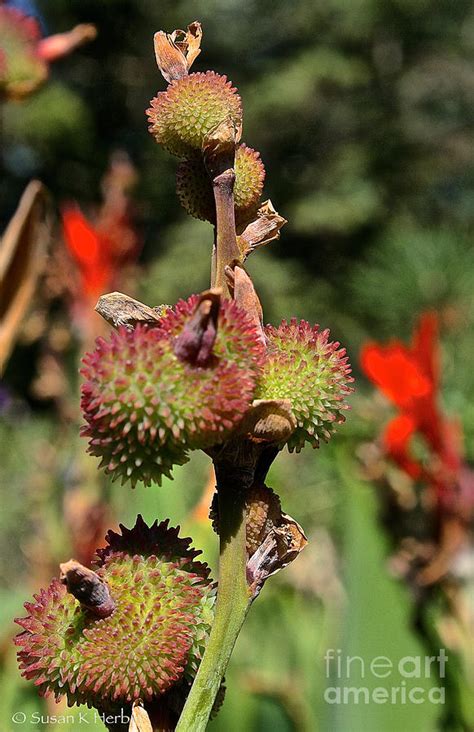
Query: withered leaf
[(23, 254), (280, 546), (140, 721), (119, 309), (176, 52), (264, 229)]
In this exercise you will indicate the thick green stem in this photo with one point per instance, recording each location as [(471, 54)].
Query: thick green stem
[(233, 596), (233, 602)]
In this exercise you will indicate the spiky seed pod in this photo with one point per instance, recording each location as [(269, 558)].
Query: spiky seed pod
[(304, 366), (194, 190), (194, 187), (189, 109), (154, 638), (21, 67), (144, 406), (249, 179)]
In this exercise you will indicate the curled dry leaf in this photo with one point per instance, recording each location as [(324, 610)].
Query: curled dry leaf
[(264, 229), (279, 547), (22, 260), (176, 52), (263, 514), (273, 539), (140, 721), (119, 309)]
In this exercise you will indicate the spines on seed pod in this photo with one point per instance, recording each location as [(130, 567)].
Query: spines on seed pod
[(194, 187), (153, 639), (191, 107), (147, 399), (305, 367)]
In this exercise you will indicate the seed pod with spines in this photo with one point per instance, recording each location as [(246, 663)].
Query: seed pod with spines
[(304, 366), (191, 107), (194, 187), (145, 406), (152, 641)]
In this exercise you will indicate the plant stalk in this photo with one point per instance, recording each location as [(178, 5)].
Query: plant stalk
[(226, 247), (233, 602), (233, 595)]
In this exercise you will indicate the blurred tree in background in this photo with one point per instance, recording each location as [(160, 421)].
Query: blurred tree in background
[(363, 113)]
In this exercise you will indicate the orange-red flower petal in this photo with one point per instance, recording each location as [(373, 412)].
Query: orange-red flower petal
[(394, 370), (396, 441), (84, 244), (425, 346)]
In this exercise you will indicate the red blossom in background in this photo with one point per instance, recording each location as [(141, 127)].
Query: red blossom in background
[(90, 251), (25, 55), (102, 251), (409, 377)]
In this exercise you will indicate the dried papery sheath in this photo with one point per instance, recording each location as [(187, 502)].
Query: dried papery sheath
[(152, 393), (313, 373), (119, 309), (140, 721), (176, 52), (153, 639), (273, 539), (261, 230)]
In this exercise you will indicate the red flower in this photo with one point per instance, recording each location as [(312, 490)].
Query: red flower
[(101, 251), (89, 251), (408, 376)]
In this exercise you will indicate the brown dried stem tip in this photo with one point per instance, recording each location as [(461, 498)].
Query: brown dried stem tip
[(176, 52), (196, 341), (88, 588)]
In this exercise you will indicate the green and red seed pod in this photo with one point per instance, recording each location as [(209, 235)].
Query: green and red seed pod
[(153, 640), (304, 366), (191, 107), (145, 406), (21, 67), (194, 187)]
